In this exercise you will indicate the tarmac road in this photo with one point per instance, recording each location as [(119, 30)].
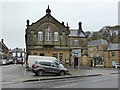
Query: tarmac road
[(11, 72), (105, 81)]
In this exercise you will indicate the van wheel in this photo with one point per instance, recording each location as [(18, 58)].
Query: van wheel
[(40, 73), (62, 73)]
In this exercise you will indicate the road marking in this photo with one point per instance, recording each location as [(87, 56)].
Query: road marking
[(100, 80), (65, 86), (8, 82)]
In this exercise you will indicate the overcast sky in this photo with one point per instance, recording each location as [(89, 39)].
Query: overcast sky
[(94, 14)]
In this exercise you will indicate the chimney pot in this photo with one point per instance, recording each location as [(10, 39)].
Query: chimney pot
[(62, 23), (2, 40), (80, 25), (27, 22)]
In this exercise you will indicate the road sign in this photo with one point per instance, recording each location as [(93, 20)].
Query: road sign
[(76, 52)]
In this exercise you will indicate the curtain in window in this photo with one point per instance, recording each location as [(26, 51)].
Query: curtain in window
[(48, 36)]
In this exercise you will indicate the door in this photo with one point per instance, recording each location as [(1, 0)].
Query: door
[(76, 61), (54, 68)]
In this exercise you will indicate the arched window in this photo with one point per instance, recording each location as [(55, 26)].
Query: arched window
[(55, 36), (40, 36), (48, 35)]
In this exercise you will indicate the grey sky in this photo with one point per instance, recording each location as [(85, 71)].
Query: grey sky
[(93, 15)]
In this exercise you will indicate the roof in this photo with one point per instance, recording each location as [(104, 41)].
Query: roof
[(0, 50), (17, 50), (45, 60), (98, 42), (0, 46), (42, 57), (3, 45), (113, 47), (74, 33)]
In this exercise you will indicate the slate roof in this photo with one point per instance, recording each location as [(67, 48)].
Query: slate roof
[(113, 47), (74, 33), (3, 45), (0, 49), (0, 45), (98, 42), (17, 49)]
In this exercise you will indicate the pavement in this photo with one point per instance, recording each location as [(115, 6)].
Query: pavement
[(74, 73), (22, 74)]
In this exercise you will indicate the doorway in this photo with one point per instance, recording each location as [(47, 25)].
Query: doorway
[(41, 54), (75, 62)]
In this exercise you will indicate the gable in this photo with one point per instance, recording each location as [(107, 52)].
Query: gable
[(49, 19)]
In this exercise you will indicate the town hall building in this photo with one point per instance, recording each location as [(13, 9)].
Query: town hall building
[(49, 37)]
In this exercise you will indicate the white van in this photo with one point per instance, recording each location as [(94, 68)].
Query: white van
[(33, 58)]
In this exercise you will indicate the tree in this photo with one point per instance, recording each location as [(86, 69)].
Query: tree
[(116, 39)]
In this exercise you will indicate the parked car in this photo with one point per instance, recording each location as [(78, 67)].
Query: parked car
[(4, 61), (117, 65), (48, 66), (11, 61)]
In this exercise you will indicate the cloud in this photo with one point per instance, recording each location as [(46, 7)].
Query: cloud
[(93, 15)]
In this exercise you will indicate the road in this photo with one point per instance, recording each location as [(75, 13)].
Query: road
[(110, 81), (104, 81)]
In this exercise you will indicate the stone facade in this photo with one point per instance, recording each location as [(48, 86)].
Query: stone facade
[(103, 53), (18, 55), (96, 52), (49, 37), (4, 51), (112, 55)]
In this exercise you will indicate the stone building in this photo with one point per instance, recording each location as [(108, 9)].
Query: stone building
[(4, 50), (96, 52), (18, 55), (112, 55), (49, 37), (3, 46), (1, 51)]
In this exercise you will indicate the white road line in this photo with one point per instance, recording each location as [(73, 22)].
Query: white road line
[(7, 82), (101, 80)]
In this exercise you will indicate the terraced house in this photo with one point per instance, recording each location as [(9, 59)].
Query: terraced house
[(49, 37), (96, 52), (3, 50), (112, 55)]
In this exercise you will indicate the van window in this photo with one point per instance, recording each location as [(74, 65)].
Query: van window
[(45, 63)]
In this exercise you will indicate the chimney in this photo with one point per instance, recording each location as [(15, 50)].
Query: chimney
[(2, 40), (27, 23), (67, 25), (80, 25), (62, 23)]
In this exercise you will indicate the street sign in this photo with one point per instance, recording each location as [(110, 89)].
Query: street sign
[(76, 52), (67, 61)]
